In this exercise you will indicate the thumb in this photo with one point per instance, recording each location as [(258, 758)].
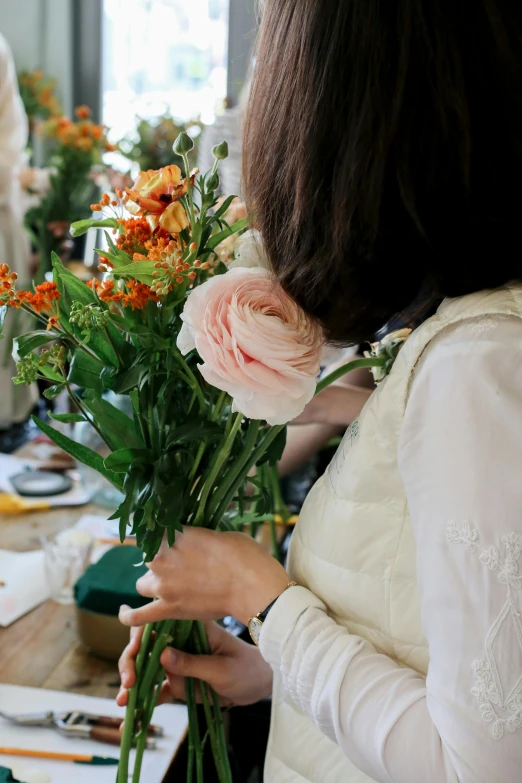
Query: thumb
[(208, 668)]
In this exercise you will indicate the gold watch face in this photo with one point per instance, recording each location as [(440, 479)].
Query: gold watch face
[(254, 626)]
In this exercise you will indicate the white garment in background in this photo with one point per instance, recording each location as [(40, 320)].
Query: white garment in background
[(15, 401), (459, 453)]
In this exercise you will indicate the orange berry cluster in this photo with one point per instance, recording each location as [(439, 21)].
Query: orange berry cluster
[(171, 270), (7, 280)]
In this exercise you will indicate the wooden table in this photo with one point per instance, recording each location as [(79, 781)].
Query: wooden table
[(41, 649)]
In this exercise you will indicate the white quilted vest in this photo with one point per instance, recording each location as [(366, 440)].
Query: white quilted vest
[(354, 547)]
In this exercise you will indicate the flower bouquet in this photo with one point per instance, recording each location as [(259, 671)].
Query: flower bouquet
[(215, 362), (80, 144)]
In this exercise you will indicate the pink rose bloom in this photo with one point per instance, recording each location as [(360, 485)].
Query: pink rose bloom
[(255, 342)]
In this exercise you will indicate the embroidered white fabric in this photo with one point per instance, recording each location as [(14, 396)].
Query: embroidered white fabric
[(460, 459)]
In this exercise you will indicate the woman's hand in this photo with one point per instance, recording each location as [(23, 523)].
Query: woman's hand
[(207, 575), (235, 670)]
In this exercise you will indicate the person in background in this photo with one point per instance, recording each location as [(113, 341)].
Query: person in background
[(16, 402)]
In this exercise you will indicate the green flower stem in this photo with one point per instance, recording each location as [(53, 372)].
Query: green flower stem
[(128, 724), (197, 459), (273, 535), (90, 419), (235, 469), (190, 693), (146, 718), (220, 758), (215, 725), (220, 458), (218, 407), (280, 506), (163, 638), (191, 748), (190, 378), (190, 194), (356, 364), (255, 456)]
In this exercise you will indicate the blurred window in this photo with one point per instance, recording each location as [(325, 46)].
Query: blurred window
[(163, 56)]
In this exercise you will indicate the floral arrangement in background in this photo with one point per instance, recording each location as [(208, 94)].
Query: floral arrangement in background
[(69, 185), (214, 361), (38, 96), (150, 146)]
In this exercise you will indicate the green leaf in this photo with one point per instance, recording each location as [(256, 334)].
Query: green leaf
[(80, 227), (190, 431), (127, 380), (75, 289), (120, 460), (114, 423), (216, 239), (224, 206), (67, 418), (138, 270), (51, 375), (126, 326), (275, 451), (125, 509), (85, 371), (27, 343), (53, 391), (79, 452)]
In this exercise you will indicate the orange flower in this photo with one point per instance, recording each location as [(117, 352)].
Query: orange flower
[(137, 231), (104, 290), (40, 300), (82, 112), (155, 195), (160, 246), (136, 295), (52, 323), (7, 281), (97, 132), (85, 144)]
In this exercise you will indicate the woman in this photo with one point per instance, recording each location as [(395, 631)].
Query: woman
[(16, 402), (383, 153)]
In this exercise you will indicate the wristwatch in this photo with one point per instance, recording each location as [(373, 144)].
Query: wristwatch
[(256, 623)]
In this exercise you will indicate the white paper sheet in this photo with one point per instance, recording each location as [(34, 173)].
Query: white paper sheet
[(25, 584), (15, 699)]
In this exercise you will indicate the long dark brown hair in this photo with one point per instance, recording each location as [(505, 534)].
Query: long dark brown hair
[(383, 152)]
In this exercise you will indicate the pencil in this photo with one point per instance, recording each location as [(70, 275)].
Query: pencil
[(78, 758)]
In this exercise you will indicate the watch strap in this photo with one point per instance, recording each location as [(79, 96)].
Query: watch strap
[(263, 615)]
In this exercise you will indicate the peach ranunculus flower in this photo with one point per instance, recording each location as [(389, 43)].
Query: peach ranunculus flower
[(255, 342), (155, 195)]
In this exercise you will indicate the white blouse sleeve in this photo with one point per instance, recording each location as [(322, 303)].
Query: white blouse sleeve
[(460, 457)]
